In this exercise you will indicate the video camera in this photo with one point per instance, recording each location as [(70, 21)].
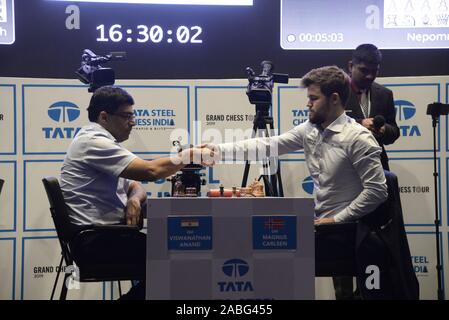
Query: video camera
[(92, 73), (437, 109), (260, 87)]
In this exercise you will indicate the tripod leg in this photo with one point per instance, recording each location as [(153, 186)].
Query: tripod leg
[(245, 174), (247, 164), (278, 173), (274, 183), (276, 179), (268, 187)]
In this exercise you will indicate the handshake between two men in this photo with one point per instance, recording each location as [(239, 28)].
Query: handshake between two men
[(205, 154), (209, 154)]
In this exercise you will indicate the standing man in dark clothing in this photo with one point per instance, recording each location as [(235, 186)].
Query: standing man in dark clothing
[(370, 103)]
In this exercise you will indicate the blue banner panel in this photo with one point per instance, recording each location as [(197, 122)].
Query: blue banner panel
[(274, 232), (189, 233)]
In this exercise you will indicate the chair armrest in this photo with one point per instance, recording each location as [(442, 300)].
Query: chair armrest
[(115, 227), (106, 229)]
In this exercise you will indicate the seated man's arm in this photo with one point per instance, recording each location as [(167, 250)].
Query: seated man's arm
[(364, 153), (143, 170), (136, 197)]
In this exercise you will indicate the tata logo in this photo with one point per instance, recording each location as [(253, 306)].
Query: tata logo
[(235, 268), (405, 111), (62, 112), (307, 185)]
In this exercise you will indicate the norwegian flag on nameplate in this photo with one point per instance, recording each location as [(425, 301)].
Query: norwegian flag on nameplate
[(274, 223)]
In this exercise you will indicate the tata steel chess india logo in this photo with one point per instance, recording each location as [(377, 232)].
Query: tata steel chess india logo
[(62, 112), (307, 185), (235, 269), (405, 113)]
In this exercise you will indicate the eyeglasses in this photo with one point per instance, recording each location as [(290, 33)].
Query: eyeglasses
[(125, 115)]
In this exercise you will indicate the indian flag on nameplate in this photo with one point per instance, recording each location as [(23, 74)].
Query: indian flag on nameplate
[(190, 223)]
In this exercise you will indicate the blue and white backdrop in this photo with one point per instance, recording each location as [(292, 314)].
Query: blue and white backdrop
[(39, 117)]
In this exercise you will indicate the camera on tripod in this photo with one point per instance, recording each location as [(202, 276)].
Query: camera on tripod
[(259, 92), (92, 73), (260, 88)]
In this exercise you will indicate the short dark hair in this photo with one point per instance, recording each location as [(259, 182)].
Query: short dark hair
[(330, 79), (366, 53), (109, 99)]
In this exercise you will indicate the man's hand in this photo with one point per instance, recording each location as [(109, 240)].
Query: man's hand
[(324, 220), (203, 156), (209, 154), (368, 123), (132, 211)]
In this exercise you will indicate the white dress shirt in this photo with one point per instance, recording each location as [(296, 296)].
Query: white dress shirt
[(90, 177), (343, 160)]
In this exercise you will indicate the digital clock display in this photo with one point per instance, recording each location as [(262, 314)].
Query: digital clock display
[(149, 34)]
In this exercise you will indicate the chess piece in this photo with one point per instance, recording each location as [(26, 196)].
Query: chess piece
[(257, 189), (178, 189)]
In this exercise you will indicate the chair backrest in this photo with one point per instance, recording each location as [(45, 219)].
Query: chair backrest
[(383, 214), (58, 209), (375, 220), (1, 185)]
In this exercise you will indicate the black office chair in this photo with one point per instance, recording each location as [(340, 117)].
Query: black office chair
[(378, 235), (69, 235)]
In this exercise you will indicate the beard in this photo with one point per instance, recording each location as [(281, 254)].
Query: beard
[(321, 114), (316, 118)]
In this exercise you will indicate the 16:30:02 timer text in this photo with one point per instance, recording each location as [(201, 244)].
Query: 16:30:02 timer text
[(151, 34)]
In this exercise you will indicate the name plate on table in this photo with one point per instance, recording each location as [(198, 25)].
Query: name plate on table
[(274, 232), (189, 233)]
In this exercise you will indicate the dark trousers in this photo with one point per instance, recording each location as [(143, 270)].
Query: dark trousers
[(336, 255), (112, 255)]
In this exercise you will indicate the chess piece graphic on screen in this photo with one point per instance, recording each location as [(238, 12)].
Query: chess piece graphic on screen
[(426, 6), (409, 6), (392, 7)]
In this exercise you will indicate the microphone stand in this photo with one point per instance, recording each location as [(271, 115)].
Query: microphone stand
[(435, 110)]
